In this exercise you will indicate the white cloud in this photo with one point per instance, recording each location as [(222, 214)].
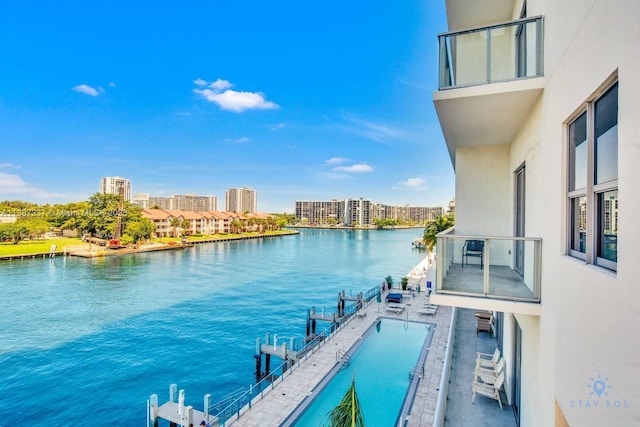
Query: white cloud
[(336, 161), (220, 85), (278, 126), (233, 100), (88, 90), (241, 140), (14, 184), (359, 168), (8, 166), (416, 184), (112, 84), (379, 132)]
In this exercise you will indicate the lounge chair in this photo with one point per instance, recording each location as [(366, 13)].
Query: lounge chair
[(428, 309), (488, 360), (395, 307), (488, 390), (394, 297)]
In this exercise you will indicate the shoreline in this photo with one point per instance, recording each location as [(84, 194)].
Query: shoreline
[(85, 250)]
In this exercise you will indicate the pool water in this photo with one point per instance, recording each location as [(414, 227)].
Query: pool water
[(380, 366)]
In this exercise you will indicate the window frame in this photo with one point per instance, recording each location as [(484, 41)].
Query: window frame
[(592, 191)]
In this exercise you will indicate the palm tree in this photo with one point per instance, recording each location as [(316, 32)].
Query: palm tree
[(348, 413), (438, 225), (175, 223)]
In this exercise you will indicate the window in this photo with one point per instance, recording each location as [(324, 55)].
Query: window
[(593, 181)]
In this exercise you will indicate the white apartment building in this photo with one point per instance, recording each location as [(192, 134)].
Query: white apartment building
[(241, 200), (141, 199), (538, 104), (115, 184), (191, 202)]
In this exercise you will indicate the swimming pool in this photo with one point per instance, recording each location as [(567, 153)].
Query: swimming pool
[(381, 366)]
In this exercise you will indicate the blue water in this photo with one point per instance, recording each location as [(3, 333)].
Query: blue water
[(380, 367), (86, 341)]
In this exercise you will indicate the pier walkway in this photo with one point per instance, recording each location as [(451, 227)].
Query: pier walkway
[(287, 393)]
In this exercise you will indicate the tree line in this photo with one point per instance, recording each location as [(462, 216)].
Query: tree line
[(98, 217)]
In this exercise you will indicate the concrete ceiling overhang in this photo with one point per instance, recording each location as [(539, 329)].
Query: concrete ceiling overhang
[(489, 114), (466, 14)]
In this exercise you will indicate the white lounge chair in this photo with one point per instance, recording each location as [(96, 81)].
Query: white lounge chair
[(428, 310), (488, 360), (488, 390), (395, 307), (488, 375)]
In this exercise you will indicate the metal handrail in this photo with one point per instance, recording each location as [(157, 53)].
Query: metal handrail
[(245, 400), (494, 26)]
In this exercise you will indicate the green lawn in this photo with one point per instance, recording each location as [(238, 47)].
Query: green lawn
[(28, 247)]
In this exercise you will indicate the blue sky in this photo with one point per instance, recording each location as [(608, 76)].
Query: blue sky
[(297, 100)]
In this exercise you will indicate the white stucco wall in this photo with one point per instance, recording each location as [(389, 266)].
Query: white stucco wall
[(588, 325), (483, 191)]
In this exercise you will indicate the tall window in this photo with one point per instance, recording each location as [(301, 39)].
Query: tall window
[(593, 181)]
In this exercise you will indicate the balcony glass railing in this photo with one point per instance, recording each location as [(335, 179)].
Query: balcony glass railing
[(508, 51), (509, 268)]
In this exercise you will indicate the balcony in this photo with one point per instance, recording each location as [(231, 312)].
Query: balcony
[(489, 80), (505, 278), (503, 52)]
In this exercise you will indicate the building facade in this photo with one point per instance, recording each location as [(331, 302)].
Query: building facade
[(241, 200), (537, 102), (141, 199), (352, 212), (190, 202), (115, 185)]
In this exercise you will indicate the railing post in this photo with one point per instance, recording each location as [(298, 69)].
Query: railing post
[(207, 404), (486, 258), (489, 55), (537, 291)]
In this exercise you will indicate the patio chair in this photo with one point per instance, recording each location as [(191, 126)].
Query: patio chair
[(489, 375), (489, 390), (488, 360), (472, 248), (484, 322)]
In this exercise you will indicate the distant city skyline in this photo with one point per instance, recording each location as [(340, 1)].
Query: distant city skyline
[(295, 100)]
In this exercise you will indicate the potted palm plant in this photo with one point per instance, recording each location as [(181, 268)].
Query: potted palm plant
[(404, 282), (389, 281)]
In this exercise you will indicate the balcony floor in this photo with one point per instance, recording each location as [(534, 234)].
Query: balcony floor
[(484, 411), (503, 281)]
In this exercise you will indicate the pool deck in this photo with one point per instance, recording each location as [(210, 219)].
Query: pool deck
[(286, 394)]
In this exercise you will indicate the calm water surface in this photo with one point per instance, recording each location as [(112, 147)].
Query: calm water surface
[(86, 341)]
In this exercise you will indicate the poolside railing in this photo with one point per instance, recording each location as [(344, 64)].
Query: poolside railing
[(244, 401)]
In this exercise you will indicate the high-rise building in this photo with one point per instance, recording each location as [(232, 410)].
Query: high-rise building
[(190, 202), (538, 105), (361, 212), (141, 199), (160, 202), (116, 185), (241, 200)]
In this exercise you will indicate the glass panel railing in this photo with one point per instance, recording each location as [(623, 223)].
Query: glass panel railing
[(503, 52), (490, 267)]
